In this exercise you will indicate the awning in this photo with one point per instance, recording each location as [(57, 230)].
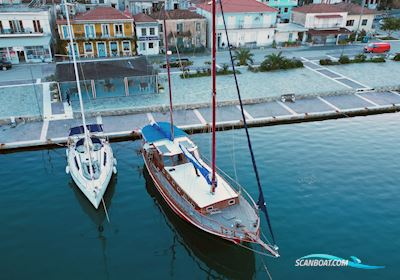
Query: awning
[(316, 32), (160, 131), (290, 27), (34, 41), (328, 16)]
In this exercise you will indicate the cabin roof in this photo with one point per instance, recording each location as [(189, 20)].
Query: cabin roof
[(197, 188)]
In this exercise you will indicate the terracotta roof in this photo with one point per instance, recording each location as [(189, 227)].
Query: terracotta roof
[(176, 14), (318, 8), (143, 18), (354, 9), (100, 13), (238, 6)]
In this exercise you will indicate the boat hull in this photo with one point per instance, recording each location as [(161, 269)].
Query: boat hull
[(182, 213)]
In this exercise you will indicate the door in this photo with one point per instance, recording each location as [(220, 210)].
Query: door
[(101, 49)]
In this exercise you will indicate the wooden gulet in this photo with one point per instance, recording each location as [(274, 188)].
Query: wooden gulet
[(192, 187)]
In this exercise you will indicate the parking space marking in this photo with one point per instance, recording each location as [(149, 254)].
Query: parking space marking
[(328, 103), (366, 99), (394, 92), (150, 117), (46, 101), (199, 116), (287, 108), (331, 57), (247, 115), (45, 128)]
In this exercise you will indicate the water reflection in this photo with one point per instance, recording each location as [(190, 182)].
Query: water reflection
[(216, 257), (98, 216)]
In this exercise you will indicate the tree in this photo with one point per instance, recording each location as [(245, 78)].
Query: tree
[(243, 56), (273, 62), (390, 25)]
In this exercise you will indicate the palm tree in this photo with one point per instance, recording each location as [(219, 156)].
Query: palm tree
[(243, 56), (273, 62)]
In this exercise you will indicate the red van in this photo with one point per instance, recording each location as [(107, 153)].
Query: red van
[(377, 48)]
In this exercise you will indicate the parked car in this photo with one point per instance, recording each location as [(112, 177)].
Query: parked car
[(176, 62), (5, 65), (377, 48)]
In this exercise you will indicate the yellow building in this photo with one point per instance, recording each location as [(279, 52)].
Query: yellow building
[(102, 32)]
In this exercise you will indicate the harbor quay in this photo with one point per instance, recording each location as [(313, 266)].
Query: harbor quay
[(36, 112)]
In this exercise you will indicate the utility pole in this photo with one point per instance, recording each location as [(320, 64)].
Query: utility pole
[(359, 20)]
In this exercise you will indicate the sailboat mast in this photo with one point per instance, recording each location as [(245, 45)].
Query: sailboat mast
[(76, 69), (87, 138), (214, 93), (169, 74)]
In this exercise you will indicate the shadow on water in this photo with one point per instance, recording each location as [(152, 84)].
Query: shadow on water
[(219, 259), (97, 216)]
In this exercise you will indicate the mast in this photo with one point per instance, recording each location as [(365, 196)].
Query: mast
[(214, 93), (169, 74), (87, 138)]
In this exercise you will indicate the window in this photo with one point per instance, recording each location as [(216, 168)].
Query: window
[(89, 31), (76, 50), (160, 28), (143, 46), (179, 27), (231, 202), (126, 46), (280, 11), (16, 26), (65, 31), (36, 26), (152, 31), (151, 45), (198, 26), (143, 30), (114, 49), (286, 10), (364, 22), (350, 22), (118, 30), (105, 30), (88, 48), (1, 27), (38, 52)]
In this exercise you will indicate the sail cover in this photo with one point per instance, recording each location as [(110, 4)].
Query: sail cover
[(91, 127), (159, 131), (204, 171)]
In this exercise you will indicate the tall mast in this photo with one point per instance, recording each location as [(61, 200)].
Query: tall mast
[(214, 93), (169, 73), (87, 138), (76, 69)]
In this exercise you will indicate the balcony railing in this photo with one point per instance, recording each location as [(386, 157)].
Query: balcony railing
[(246, 26), (22, 31), (80, 35)]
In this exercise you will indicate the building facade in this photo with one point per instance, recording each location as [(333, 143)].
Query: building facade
[(249, 23), (152, 6), (185, 29), (25, 34), (358, 18), (101, 32), (147, 35), (326, 23), (284, 8)]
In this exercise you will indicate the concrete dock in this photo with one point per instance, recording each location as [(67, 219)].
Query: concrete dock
[(196, 118)]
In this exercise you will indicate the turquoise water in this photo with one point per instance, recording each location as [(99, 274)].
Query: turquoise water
[(332, 188)]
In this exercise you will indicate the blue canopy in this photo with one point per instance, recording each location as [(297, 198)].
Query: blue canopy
[(91, 127), (160, 131), (204, 171)]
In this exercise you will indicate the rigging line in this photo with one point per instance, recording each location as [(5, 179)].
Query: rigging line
[(261, 201), (105, 210), (266, 269)]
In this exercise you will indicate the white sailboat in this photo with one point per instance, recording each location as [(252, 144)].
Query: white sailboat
[(90, 158)]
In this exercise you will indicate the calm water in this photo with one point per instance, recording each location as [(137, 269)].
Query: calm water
[(332, 186)]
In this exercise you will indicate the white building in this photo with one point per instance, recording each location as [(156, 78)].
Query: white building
[(148, 40), (25, 34), (249, 23), (358, 18), (150, 6)]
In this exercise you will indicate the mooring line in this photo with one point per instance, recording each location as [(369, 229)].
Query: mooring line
[(105, 210)]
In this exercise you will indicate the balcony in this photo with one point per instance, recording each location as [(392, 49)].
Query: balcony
[(246, 26), (96, 36), (8, 32)]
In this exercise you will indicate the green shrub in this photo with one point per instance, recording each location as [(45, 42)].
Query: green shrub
[(377, 59), (344, 59), (396, 57), (326, 61), (360, 58)]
